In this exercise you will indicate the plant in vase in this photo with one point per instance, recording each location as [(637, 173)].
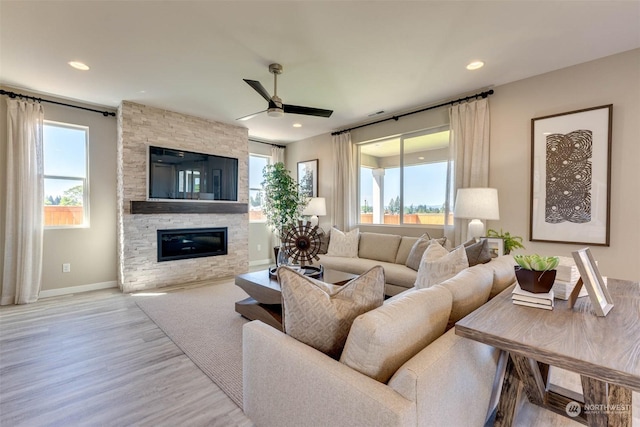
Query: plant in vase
[(283, 203), (510, 242), (536, 273)]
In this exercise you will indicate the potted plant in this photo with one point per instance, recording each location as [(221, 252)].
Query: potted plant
[(536, 273), (510, 242), (283, 202)]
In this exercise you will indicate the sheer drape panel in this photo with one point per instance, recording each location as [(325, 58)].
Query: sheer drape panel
[(468, 158), (23, 226), (344, 212), (277, 155)]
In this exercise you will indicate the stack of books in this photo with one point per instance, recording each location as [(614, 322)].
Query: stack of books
[(567, 276), (529, 299)]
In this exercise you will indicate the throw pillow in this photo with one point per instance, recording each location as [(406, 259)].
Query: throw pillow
[(344, 244), (382, 340), (415, 255), (319, 314), (324, 241), (438, 264), (478, 253)]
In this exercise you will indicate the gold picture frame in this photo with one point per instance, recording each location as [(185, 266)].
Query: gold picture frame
[(591, 278)]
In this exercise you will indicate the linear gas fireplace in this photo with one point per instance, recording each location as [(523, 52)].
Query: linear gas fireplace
[(191, 243)]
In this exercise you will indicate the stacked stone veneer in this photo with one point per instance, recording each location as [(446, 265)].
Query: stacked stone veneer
[(138, 127)]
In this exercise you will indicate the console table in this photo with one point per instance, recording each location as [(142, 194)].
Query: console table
[(605, 351)]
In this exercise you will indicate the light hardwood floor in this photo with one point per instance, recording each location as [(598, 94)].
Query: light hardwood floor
[(95, 359)]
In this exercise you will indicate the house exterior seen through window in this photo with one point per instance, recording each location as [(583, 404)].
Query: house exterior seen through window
[(66, 191), (402, 179), (256, 165)]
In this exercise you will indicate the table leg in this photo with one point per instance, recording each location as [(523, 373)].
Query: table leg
[(606, 405), (509, 396), (529, 372), (620, 405)]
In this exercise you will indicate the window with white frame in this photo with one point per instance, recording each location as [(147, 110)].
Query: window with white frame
[(66, 189), (402, 179), (256, 165)]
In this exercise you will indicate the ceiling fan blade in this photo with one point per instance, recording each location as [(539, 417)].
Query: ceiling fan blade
[(250, 116), (257, 86), (307, 111)]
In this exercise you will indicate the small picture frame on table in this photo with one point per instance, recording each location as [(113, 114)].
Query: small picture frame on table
[(496, 246), (591, 278)]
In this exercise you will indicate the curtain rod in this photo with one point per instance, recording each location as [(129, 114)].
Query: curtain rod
[(267, 143), (396, 118), (33, 98)]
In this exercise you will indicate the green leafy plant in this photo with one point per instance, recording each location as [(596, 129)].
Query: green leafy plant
[(283, 203), (536, 262), (510, 242)]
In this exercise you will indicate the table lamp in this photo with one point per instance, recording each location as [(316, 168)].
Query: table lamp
[(477, 204), (315, 208)]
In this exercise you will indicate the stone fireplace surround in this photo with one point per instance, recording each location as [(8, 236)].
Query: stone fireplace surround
[(138, 269)]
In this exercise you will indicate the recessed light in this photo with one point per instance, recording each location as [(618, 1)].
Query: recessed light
[(297, 125), (79, 65), (420, 158), (475, 65)]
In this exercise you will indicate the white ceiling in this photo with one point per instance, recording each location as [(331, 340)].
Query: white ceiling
[(355, 57)]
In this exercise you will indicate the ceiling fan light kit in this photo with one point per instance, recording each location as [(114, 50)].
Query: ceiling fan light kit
[(276, 107)]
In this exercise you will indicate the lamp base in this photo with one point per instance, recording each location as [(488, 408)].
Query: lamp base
[(476, 229), (314, 220)]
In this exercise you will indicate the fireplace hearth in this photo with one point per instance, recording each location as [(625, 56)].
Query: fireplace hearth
[(185, 243)]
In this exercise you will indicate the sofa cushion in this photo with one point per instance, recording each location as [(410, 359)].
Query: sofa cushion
[(470, 289), (503, 273), (381, 340), (478, 252), (344, 244), (379, 247), (319, 314), (438, 265), (324, 241), (405, 247)]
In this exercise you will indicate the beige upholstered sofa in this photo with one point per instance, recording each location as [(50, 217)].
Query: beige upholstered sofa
[(447, 383), (388, 250)]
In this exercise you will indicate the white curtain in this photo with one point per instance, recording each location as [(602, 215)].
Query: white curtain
[(344, 212), (277, 155), (468, 158), (24, 210)]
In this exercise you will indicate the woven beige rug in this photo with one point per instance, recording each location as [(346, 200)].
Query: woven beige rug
[(203, 323)]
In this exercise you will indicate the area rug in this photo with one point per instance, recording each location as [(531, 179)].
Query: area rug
[(203, 323)]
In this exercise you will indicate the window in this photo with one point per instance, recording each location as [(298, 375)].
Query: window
[(66, 195), (256, 165), (403, 179)]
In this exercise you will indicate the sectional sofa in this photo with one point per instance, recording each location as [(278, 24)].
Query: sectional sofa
[(447, 381)]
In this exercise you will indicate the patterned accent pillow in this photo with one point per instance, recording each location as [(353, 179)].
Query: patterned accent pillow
[(344, 244), (413, 260), (319, 314), (324, 241), (478, 253), (438, 265)]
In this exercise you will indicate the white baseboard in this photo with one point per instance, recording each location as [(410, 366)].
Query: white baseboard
[(260, 262), (75, 289)]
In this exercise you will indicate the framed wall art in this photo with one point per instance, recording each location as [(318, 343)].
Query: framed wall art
[(308, 177), (570, 177)]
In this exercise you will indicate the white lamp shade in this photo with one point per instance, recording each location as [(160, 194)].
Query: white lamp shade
[(316, 206), (477, 203)]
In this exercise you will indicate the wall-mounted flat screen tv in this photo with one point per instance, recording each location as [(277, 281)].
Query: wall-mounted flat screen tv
[(183, 175)]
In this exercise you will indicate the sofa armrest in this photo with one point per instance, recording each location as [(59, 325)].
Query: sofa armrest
[(287, 383), (450, 380)]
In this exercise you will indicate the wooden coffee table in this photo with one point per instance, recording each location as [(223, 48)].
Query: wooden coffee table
[(265, 298), (603, 350)]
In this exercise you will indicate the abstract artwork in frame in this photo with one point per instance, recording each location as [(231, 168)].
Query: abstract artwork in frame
[(570, 177), (308, 177)]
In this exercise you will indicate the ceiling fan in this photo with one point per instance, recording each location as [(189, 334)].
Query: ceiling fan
[(276, 107)]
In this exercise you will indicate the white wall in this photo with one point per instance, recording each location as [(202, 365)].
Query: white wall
[(612, 80), (90, 251)]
